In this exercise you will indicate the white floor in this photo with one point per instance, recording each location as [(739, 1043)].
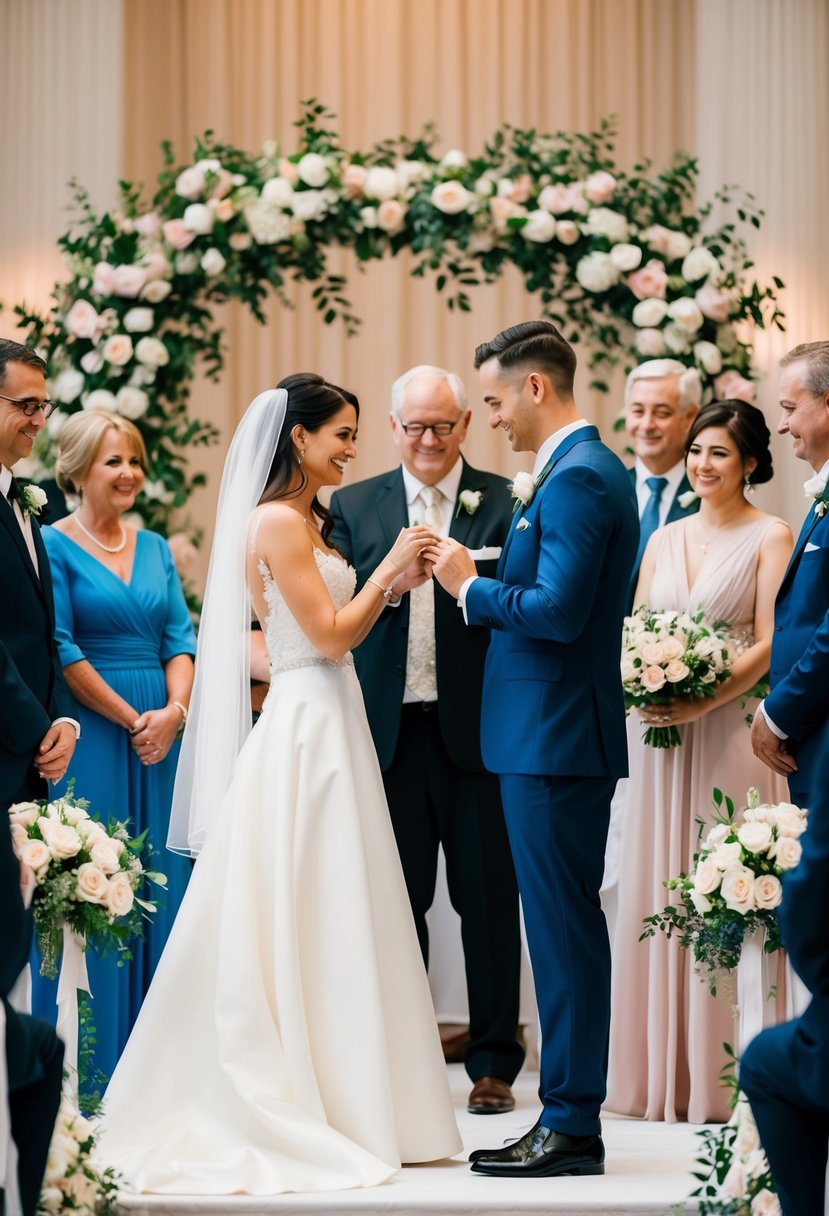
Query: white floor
[(648, 1172)]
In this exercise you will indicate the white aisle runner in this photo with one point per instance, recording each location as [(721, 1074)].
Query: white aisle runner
[(648, 1174)]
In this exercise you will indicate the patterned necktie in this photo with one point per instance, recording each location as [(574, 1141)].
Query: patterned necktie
[(650, 516), (421, 676)]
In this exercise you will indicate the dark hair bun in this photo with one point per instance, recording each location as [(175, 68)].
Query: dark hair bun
[(747, 426)]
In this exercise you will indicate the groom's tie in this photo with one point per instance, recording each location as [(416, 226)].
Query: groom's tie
[(421, 678), (650, 516)]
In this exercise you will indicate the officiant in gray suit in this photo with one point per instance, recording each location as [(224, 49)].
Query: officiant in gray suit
[(421, 671)]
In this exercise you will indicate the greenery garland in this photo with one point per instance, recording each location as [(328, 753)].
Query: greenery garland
[(625, 262)]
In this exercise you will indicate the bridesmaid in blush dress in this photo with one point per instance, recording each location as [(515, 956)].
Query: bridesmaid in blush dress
[(667, 1031), (126, 643)]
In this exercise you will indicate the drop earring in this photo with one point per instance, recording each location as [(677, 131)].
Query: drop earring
[(748, 487)]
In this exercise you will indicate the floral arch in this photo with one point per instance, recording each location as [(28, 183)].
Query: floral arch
[(623, 261)]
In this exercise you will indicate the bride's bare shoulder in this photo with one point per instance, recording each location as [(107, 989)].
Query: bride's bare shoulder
[(278, 526)]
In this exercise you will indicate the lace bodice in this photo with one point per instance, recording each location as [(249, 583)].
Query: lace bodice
[(288, 647)]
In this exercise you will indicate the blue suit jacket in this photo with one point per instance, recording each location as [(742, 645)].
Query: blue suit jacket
[(799, 668), (553, 702)]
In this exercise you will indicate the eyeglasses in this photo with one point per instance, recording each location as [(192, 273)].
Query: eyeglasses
[(414, 430), (30, 405)]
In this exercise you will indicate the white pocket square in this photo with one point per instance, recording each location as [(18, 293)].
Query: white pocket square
[(489, 553), (810, 548), (521, 525)]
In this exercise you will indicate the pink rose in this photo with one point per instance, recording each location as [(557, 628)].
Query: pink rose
[(103, 282), (222, 185), (649, 282), (713, 303), (652, 679), (128, 281), (390, 215), (225, 210), (503, 209), (354, 177), (148, 225), (82, 320), (555, 199), (731, 385), (600, 187), (288, 169), (521, 188), (177, 234)]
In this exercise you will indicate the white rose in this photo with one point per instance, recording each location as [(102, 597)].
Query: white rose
[(484, 185), (380, 183), (676, 671), (651, 652), (708, 357), (51, 1199), (790, 820), (454, 159), (717, 834), (685, 313), (652, 679), (701, 902), (279, 191), (354, 177), (451, 197), (650, 312), (92, 362), (68, 385), (768, 891), (706, 876), (602, 221), (754, 837), (368, 215), (26, 813), (699, 263), (390, 215), (540, 227), (596, 272), (82, 320), (212, 262), (63, 840), (99, 399), (128, 281), (766, 1203), (650, 343), (313, 169), (190, 183), (672, 648), (152, 352), (734, 1183), (308, 205), (756, 1163), (410, 172), (92, 883), (727, 854), (140, 320), (198, 218), (19, 833), (626, 257), (120, 896), (117, 350), (567, 232), (35, 854), (74, 814), (522, 487), (738, 889), (186, 263), (239, 241), (131, 402), (667, 241), (676, 339), (83, 1191)]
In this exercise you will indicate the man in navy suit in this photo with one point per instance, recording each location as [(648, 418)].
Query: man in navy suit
[(789, 730), (553, 724), (662, 399), (421, 672), (785, 1070)]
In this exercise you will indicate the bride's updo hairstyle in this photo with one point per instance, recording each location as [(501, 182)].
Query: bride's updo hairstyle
[(746, 426), (311, 402)]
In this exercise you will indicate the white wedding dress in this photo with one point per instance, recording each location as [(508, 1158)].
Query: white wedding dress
[(288, 1040)]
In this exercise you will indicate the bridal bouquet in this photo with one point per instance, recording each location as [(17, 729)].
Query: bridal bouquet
[(74, 1181), (735, 886), (666, 655), (86, 875)]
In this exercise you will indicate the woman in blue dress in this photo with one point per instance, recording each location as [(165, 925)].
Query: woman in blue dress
[(126, 643)]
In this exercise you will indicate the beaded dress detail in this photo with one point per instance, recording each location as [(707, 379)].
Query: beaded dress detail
[(288, 647)]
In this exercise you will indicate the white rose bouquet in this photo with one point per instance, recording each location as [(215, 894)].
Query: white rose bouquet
[(666, 655), (74, 1181), (734, 888), (86, 875)]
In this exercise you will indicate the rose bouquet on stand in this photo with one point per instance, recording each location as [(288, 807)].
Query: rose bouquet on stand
[(666, 655), (75, 1181)]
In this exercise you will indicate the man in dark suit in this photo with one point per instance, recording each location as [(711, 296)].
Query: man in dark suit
[(35, 745), (553, 722), (37, 736), (790, 728), (785, 1070), (662, 399), (421, 672)]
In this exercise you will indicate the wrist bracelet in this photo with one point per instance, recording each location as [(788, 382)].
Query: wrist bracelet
[(181, 709), (385, 590)]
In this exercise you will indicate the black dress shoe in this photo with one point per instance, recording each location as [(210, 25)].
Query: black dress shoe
[(542, 1153)]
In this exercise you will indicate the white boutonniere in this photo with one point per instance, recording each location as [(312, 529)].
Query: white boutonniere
[(815, 488), (687, 499), (522, 489), (32, 500), (470, 500)]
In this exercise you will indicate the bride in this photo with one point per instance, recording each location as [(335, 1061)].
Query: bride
[(288, 1040)]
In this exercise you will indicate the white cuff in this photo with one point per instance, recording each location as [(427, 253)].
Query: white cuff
[(462, 595), (76, 725), (775, 730)]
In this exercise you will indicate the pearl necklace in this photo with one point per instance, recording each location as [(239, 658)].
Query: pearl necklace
[(106, 548)]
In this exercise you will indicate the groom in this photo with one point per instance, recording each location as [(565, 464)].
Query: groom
[(553, 723)]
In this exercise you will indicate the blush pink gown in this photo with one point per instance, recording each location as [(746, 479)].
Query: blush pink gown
[(667, 1031)]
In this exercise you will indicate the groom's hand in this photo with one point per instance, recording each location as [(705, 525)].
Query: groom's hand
[(769, 748), (55, 751), (452, 565)]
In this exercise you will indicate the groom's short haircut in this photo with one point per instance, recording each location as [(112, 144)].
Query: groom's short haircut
[(16, 352), (815, 355), (533, 344)]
